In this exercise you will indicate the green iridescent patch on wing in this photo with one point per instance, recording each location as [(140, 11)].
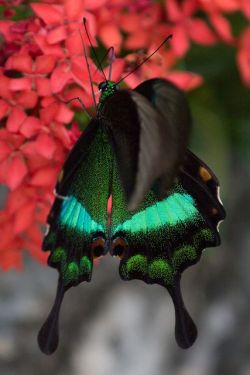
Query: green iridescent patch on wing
[(137, 263), (71, 273), (75, 216), (85, 265), (58, 255), (183, 255), (91, 184), (161, 270), (176, 209), (71, 270), (139, 267), (205, 235), (155, 258)]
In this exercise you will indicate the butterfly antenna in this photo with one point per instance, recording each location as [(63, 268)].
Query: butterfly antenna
[(146, 59), (104, 57), (111, 52), (88, 68), (96, 57)]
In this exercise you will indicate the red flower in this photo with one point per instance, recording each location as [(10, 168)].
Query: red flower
[(185, 27), (161, 65), (220, 23)]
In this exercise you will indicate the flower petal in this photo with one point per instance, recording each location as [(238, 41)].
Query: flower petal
[(45, 145), (185, 80), (62, 134), (76, 92), (74, 9), (245, 6), (15, 120), (222, 26), (44, 177), (111, 36), (64, 114), (73, 44), (50, 14), (5, 92), (4, 109), (30, 126), (60, 77), (18, 84), (43, 86), (5, 30), (45, 64), (22, 63), (33, 159), (200, 32), (56, 35), (16, 172), (94, 4), (180, 42), (174, 11), (48, 49), (189, 7), (137, 40), (5, 150), (49, 113), (24, 217), (129, 22), (27, 99)]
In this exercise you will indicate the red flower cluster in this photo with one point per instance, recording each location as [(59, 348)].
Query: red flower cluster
[(42, 66)]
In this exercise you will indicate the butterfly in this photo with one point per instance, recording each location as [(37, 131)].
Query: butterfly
[(131, 187)]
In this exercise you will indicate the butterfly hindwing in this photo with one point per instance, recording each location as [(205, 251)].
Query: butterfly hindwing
[(77, 221), (164, 237)]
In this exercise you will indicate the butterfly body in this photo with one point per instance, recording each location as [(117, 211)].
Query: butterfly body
[(130, 187)]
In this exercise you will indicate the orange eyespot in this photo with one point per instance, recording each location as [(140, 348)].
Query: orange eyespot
[(119, 247), (204, 174), (98, 247)]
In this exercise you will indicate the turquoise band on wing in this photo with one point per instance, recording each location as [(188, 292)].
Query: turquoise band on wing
[(74, 216), (176, 209)]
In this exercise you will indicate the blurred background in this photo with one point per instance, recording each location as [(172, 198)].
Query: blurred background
[(109, 326)]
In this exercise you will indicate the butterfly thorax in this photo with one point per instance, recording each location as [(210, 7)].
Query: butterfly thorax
[(107, 89)]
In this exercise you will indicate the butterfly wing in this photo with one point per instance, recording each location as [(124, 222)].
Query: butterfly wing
[(77, 220), (160, 240), (149, 129)]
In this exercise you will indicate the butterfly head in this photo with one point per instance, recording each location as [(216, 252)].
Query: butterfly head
[(107, 89)]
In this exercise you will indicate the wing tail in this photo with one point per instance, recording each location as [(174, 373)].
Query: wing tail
[(48, 336), (185, 328)]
